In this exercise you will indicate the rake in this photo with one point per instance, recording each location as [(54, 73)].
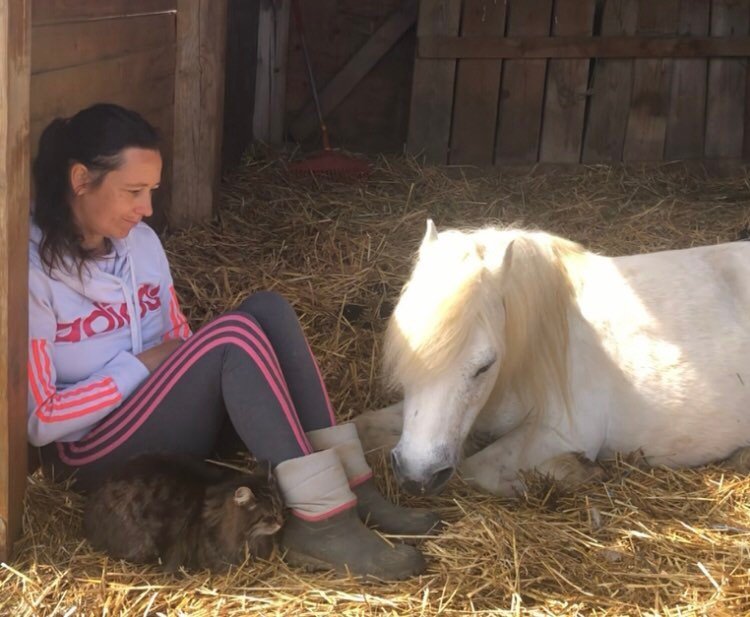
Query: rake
[(327, 162)]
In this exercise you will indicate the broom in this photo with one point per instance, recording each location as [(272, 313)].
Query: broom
[(326, 162)]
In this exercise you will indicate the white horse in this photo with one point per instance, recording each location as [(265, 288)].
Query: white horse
[(519, 350)]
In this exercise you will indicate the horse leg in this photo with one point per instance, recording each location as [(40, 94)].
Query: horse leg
[(571, 469), (380, 428), (739, 461), (497, 468)]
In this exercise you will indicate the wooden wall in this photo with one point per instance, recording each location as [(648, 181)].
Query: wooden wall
[(119, 51), (374, 116), (568, 81)]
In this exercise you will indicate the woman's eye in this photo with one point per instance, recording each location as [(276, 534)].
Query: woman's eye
[(484, 368)]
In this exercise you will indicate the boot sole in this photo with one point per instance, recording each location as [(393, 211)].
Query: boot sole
[(312, 564), (306, 562)]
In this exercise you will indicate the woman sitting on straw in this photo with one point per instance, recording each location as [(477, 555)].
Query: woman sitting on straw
[(114, 370)]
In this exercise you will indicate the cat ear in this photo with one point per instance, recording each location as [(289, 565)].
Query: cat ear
[(243, 495)]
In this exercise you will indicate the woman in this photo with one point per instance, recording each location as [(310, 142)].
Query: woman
[(114, 370)]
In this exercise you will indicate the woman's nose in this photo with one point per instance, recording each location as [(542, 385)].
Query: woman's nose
[(144, 207)]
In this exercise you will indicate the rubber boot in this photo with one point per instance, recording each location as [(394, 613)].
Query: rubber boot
[(324, 531), (374, 509)]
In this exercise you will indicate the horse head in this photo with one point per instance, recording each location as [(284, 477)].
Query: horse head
[(444, 349), (482, 315)]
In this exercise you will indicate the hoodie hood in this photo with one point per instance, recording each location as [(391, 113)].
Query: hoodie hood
[(93, 284)]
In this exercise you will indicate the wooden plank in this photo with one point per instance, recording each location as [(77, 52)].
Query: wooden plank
[(567, 85), (746, 139), (361, 63), (477, 88), (527, 47), (725, 113), (270, 72), (687, 107), (431, 102), (15, 70), (522, 94), (54, 11), (58, 46), (646, 132), (199, 106), (610, 97), (62, 92)]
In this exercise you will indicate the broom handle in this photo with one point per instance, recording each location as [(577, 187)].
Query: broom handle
[(298, 22)]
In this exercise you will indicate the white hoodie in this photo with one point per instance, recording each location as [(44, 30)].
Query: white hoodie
[(85, 333)]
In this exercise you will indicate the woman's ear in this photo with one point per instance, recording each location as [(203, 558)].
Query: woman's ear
[(79, 178)]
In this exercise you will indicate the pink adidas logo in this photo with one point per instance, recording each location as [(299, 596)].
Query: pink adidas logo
[(107, 317)]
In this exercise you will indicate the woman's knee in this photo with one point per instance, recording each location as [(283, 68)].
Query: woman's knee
[(265, 303)]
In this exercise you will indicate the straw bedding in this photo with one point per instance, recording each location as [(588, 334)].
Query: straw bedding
[(644, 542)]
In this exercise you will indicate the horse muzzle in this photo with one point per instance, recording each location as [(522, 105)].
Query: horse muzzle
[(427, 483)]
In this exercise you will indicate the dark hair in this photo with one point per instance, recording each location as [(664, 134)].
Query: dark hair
[(95, 137)]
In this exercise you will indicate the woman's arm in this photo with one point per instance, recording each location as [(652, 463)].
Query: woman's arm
[(175, 323), (56, 413)]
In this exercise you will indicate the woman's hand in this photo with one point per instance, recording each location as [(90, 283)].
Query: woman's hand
[(154, 356)]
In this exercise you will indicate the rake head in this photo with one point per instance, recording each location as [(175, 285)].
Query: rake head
[(331, 164)]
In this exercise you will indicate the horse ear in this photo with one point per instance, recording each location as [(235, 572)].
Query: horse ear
[(431, 234), (508, 257)]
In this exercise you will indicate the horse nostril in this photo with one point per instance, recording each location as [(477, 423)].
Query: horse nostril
[(395, 464), (439, 479)]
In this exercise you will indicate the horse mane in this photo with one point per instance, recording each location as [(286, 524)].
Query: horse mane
[(463, 276)]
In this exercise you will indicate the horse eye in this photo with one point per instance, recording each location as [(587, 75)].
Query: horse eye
[(485, 368)]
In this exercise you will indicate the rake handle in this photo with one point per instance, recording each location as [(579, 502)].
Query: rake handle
[(296, 13)]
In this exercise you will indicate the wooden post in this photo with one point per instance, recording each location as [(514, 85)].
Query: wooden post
[(199, 109), (270, 73), (15, 75)]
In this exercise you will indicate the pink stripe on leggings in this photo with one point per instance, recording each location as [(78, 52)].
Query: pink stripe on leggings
[(144, 414), (160, 376), (322, 386)]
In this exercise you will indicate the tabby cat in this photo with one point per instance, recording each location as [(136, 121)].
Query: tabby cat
[(180, 512)]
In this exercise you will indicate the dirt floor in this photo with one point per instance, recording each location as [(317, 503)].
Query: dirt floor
[(644, 542)]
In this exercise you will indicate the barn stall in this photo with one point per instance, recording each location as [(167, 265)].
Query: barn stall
[(661, 167)]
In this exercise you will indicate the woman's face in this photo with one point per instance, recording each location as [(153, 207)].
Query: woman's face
[(111, 208)]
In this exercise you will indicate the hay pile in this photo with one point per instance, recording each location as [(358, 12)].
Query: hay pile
[(644, 542)]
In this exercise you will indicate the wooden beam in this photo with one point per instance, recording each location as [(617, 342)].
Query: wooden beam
[(382, 40), (15, 75), (270, 72), (434, 47), (199, 109), (56, 11)]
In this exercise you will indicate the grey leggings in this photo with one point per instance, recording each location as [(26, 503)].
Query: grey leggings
[(248, 378)]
